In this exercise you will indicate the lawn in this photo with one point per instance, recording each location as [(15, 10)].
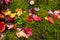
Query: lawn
[(48, 30)]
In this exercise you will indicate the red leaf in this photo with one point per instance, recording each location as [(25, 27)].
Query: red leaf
[(50, 19), (32, 11), (30, 19), (28, 31), (2, 26), (9, 19), (37, 18), (55, 16)]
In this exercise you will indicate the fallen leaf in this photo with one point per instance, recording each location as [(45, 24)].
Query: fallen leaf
[(30, 19), (11, 26), (50, 19), (50, 12), (7, 2), (1, 36), (36, 9), (2, 26), (28, 32), (37, 18), (7, 12), (12, 15), (55, 16), (21, 34), (18, 12), (1, 16), (56, 12), (9, 19), (32, 2), (32, 10)]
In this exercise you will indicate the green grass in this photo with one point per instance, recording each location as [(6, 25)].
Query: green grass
[(52, 32)]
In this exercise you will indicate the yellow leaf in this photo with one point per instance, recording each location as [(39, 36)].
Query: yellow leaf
[(46, 18), (7, 13), (12, 15), (24, 11), (18, 12), (58, 16)]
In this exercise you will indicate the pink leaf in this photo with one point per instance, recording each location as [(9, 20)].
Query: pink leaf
[(50, 12), (37, 18), (1, 36), (55, 16)]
